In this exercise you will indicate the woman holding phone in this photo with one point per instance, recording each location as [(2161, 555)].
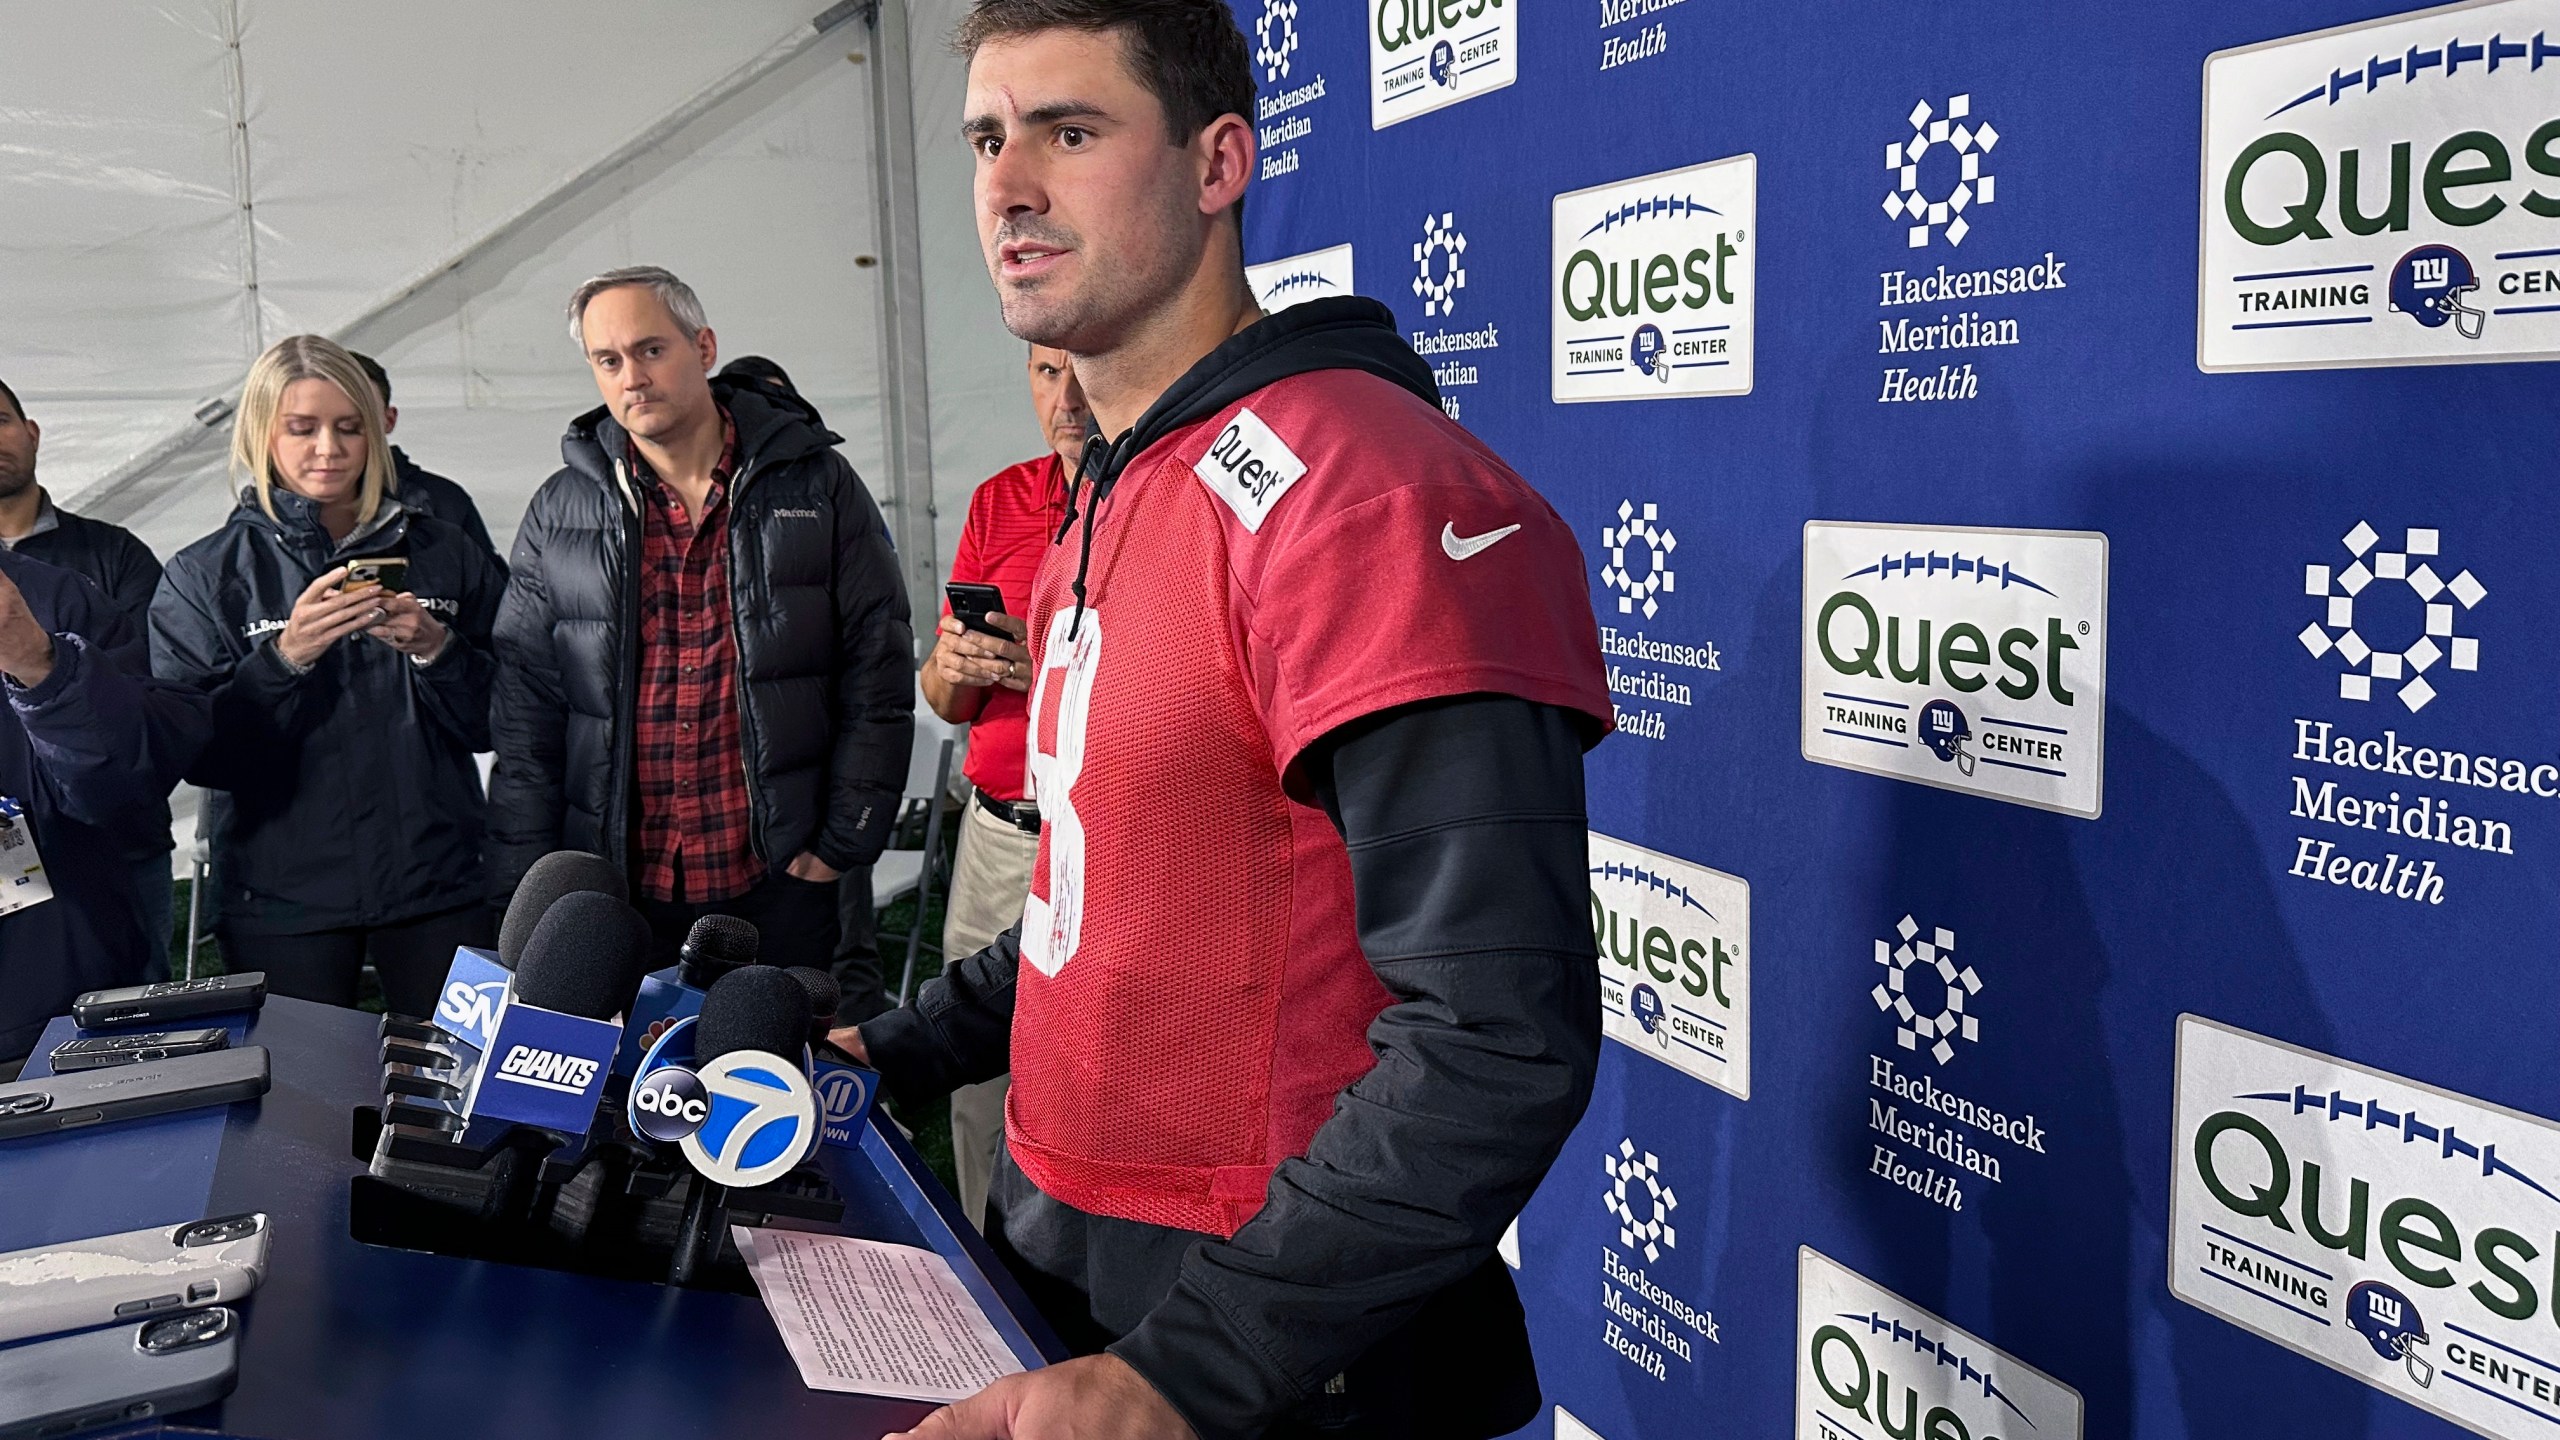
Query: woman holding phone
[(345, 643)]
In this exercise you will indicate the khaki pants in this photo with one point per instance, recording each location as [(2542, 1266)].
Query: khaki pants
[(988, 884)]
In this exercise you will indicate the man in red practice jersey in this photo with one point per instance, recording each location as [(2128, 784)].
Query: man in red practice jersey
[(1305, 1000)]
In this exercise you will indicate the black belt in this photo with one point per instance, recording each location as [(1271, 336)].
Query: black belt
[(1022, 815)]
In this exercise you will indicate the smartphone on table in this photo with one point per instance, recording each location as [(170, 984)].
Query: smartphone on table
[(79, 1284), (96, 1378), (171, 1000), (131, 1092), (97, 1052)]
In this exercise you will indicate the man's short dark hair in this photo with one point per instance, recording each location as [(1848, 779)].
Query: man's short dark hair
[(12, 397), (373, 371), (1187, 53), (760, 370)]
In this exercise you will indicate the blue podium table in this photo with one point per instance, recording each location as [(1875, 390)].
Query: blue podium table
[(349, 1340)]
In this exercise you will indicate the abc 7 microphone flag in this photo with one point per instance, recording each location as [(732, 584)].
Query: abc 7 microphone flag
[(745, 1119)]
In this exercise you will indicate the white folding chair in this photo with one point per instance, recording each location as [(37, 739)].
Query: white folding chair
[(935, 757)]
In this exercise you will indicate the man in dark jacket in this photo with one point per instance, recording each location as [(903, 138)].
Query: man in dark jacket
[(88, 751), (704, 662), (116, 561), (419, 490)]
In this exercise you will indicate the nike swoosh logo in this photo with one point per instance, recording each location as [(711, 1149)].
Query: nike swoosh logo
[(1457, 549)]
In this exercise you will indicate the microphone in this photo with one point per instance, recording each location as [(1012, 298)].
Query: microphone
[(846, 1091), (555, 1036), (470, 1137), (475, 985), (761, 1009), (758, 1116), (716, 946), (584, 957), (556, 875), (824, 995)]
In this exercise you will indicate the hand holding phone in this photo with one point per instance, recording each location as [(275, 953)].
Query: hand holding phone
[(326, 612), (971, 604), (975, 652), (391, 572)]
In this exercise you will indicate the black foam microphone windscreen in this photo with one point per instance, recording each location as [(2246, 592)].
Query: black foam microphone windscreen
[(757, 1008), (716, 945), (824, 995), (562, 872), (585, 957)]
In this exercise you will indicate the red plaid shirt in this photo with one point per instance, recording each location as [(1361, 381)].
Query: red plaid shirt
[(694, 840)]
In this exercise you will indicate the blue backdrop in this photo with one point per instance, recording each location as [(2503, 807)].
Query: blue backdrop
[(1970, 1124)]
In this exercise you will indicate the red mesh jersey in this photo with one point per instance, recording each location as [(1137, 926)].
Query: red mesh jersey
[(1193, 995)]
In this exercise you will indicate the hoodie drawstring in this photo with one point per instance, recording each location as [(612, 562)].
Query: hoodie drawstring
[(1082, 502)]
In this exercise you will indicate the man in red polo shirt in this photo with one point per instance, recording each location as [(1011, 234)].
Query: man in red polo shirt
[(978, 680)]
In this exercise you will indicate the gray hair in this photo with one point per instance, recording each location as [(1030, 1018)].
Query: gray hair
[(673, 293)]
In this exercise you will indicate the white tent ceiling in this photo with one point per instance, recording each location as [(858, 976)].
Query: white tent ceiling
[(188, 181)]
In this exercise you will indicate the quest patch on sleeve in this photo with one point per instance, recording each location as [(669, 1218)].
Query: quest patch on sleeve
[(1249, 468)]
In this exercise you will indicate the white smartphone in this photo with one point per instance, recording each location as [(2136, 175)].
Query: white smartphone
[(140, 1273), (74, 1383)]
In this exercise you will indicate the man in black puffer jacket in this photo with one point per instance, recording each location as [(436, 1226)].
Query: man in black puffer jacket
[(704, 659)]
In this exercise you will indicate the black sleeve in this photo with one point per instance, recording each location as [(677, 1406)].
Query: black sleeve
[(123, 634), (467, 516), (875, 682), (528, 712), (454, 690), (109, 742), (134, 575), (958, 1032), (259, 701), (1465, 823)]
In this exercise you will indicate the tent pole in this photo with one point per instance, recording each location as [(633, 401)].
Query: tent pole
[(905, 390)]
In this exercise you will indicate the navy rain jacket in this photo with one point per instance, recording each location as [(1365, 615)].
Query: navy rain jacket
[(346, 795)]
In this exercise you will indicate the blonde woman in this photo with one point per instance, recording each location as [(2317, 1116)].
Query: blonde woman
[(346, 710)]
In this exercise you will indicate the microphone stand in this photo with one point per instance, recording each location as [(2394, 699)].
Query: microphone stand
[(706, 1214)]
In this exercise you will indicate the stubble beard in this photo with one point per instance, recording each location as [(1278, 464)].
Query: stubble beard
[(1110, 300), (1085, 320)]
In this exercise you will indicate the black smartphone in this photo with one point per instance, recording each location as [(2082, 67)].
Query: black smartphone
[(171, 1000), (971, 604), (129, 1092), (100, 1051), (97, 1378)]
